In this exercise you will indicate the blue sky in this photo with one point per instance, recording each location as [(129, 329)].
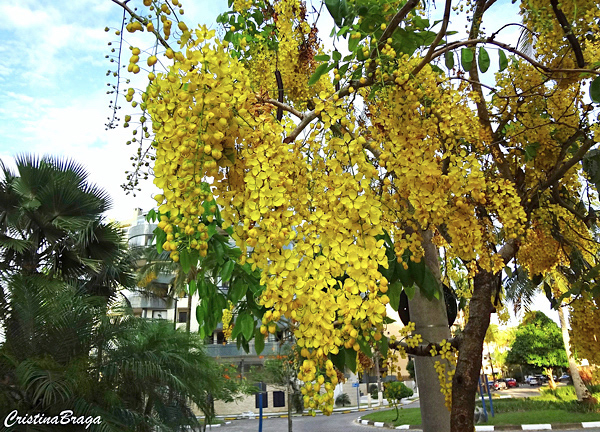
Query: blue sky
[(53, 86)]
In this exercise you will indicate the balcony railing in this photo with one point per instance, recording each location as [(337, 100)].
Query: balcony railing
[(149, 302), (231, 350)]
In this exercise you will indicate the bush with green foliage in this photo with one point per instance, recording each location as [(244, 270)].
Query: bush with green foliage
[(394, 392), (342, 400), (373, 391)]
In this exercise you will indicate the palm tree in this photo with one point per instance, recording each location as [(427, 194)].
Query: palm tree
[(68, 353), (51, 222), (520, 290)]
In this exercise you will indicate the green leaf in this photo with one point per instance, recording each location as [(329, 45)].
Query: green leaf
[(430, 286), (410, 291), (483, 60), (339, 359), (192, 288), (259, 341), (219, 251), (322, 57), (591, 166), (364, 346), (246, 325), (449, 58), (322, 69), (393, 292), (383, 346), (227, 270), (237, 290), (184, 260), (503, 62), (466, 58), (337, 56), (337, 10), (211, 229), (403, 275), (202, 288), (389, 272), (595, 90), (531, 151), (353, 43), (194, 259), (350, 359), (420, 23), (160, 237), (417, 271), (200, 313)]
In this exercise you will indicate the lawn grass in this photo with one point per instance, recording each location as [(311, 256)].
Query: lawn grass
[(551, 407), (412, 416)]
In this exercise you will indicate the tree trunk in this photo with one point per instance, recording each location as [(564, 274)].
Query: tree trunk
[(188, 319), (464, 384), (378, 376), (583, 394), (431, 323), (289, 392)]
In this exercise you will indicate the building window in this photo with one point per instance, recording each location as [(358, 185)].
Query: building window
[(159, 314), (278, 399), (182, 317)]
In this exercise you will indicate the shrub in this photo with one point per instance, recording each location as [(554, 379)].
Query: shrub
[(394, 392), (374, 391), (342, 400)]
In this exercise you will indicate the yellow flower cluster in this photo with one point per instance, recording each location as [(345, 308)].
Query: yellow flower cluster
[(445, 369), (226, 320), (585, 328), (314, 382), (582, 16), (197, 108)]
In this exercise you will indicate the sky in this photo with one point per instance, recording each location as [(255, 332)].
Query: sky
[(53, 86)]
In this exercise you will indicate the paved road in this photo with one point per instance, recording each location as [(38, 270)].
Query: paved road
[(333, 423)]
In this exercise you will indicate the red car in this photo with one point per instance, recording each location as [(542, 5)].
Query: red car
[(511, 382)]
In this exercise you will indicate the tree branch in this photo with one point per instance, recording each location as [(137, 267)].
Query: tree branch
[(142, 20), (586, 219), (438, 38), (535, 64), (562, 19), (282, 105), (356, 84), (424, 350)]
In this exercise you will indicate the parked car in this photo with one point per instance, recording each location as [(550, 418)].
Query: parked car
[(542, 379), (533, 381), (498, 385), (511, 382), (565, 377)]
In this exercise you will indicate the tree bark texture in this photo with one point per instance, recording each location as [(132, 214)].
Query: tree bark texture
[(583, 394), (431, 323), (466, 377)]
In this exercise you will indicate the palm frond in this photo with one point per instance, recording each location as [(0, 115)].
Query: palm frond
[(520, 290)]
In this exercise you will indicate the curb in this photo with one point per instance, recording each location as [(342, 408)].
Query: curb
[(490, 428), (306, 414)]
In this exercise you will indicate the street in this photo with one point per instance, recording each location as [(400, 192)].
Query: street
[(333, 423), (344, 422)]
